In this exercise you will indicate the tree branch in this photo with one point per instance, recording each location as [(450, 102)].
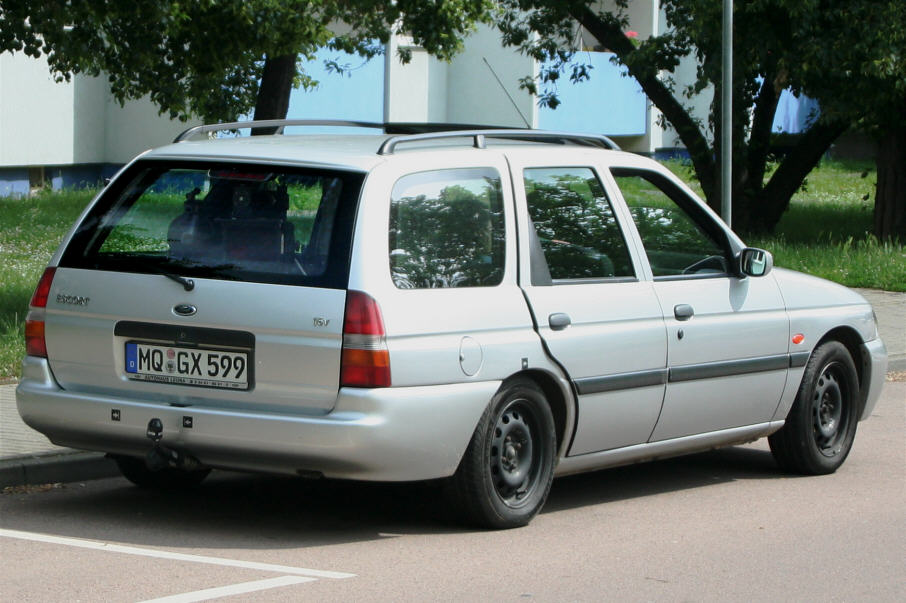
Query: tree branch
[(611, 36)]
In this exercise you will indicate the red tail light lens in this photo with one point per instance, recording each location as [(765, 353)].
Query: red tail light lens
[(39, 299), (35, 344), (363, 317), (365, 360)]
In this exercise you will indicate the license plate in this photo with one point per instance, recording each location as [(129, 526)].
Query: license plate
[(187, 366)]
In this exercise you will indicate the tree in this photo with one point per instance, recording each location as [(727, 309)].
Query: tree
[(770, 36), (205, 58), (866, 83)]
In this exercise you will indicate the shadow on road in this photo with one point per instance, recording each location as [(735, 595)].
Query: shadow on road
[(649, 479), (248, 511)]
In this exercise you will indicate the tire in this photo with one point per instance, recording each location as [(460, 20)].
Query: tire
[(169, 478), (821, 425), (505, 475)]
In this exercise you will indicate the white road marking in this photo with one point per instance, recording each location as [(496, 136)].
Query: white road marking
[(131, 550), (234, 589)]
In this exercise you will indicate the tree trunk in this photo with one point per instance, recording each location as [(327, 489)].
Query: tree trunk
[(890, 198), (273, 93), (758, 210)]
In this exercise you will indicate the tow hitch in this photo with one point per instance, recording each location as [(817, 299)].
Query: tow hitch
[(161, 457)]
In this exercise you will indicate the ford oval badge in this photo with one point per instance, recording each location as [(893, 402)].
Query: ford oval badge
[(185, 309)]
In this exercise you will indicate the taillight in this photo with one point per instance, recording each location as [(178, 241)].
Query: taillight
[(39, 299), (35, 345), (365, 361)]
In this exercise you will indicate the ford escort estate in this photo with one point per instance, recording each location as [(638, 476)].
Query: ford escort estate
[(491, 308)]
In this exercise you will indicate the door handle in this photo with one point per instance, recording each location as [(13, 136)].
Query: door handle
[(683, 311), (559, 321)]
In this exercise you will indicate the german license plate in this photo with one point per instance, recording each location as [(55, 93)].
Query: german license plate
[(187, 366)]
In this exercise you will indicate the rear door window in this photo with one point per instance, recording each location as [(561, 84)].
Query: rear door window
[(254, 223), (575, 224)]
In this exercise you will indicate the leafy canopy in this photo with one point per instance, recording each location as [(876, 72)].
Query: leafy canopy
[(848, 55), (205, 57)]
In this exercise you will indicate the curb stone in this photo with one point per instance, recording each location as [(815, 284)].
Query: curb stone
[(63, 467)]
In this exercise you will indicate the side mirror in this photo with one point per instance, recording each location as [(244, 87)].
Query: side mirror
[(752, 261)]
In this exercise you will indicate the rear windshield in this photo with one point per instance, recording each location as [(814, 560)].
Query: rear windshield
[(268, 224)]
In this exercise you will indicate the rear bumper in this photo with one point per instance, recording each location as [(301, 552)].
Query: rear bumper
[(393, 434)]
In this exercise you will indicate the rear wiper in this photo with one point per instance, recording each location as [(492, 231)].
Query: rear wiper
[(187, 283)]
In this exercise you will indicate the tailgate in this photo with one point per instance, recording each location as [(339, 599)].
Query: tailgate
[(243, 345)]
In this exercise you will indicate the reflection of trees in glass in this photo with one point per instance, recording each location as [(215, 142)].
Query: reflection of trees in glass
[(455, 239), (575, 223), (673, 241)]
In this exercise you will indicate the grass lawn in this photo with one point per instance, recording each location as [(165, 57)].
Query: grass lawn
[(30, 230), (826, 232)]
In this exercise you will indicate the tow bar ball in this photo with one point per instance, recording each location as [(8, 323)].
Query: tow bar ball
[(155, 430), (160, 457)]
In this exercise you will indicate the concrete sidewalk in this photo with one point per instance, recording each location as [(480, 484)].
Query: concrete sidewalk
[(27, 457)]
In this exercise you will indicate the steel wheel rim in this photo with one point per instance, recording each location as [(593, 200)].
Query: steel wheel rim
[(830, 410), (515, 453)]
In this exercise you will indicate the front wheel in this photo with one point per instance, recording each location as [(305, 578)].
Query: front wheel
[(505, 475), (820, 428)]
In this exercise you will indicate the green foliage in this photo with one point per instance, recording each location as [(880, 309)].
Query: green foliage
[(849, 55), (863, 262), (827, 230), (206, 57), (861, 75), (30, 230)]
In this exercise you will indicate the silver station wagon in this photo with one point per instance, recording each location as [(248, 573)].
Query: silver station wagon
[(493, 308)]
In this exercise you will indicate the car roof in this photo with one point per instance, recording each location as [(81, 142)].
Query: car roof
[(356, 151), (346, 151)]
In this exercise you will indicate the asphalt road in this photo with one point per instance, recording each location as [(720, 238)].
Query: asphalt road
[(724, 525)]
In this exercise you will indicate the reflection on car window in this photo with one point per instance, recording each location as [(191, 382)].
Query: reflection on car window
[(674, 242), (217, 221), (447, 229), (575, 224)]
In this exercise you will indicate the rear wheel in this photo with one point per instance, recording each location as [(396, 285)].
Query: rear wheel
[(136, 471), (505, 475), (821, 425)]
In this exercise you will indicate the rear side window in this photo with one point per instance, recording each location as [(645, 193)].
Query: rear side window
[(238, 222), (447, 229)]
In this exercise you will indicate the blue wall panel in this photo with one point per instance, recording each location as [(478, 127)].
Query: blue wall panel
[(355, 95), (14, 182), (607, 103)]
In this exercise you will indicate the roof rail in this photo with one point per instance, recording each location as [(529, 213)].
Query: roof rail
[(279, 124), (415, 132), (479, 138)]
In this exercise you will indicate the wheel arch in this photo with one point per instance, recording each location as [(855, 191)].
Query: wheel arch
[(560, 403), (852, 341)]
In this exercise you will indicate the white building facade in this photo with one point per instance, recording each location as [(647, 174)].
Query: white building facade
[(75, 134)]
